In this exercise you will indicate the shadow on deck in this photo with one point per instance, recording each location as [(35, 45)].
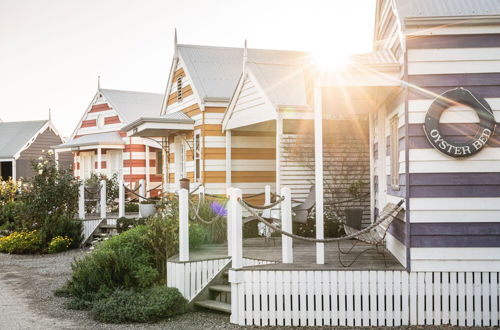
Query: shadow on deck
[(304, 255)]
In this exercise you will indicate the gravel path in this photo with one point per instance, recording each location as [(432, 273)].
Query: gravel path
[(27, 300)]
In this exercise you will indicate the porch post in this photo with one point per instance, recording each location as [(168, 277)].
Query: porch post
[(286, 222), (229, 221), (121, 197), (279, 133), (228, 160), (237, 228), (81, 200), (14, 170), (164, 168), (56, 157), (99, 160), (147, 170), (318, 175), (183, 225), (372, 166), (103, 199)]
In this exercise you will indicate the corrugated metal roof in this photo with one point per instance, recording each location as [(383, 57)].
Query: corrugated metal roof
[(15, 135), (179, 115), (284, 85), (132, 105), (446, 8), (215, 70), (108, 138), (381, 57)]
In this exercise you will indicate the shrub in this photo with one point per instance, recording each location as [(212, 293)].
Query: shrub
[(124, 261), (9, 190), (61, 225), (59, 244), (131, 207), (11, 214), (197, 235), (20, 242), (124, 224), (148, 305)]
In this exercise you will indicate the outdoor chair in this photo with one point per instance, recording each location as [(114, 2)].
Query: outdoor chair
[(375, 237)]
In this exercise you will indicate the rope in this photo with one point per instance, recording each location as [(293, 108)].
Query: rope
[(196, 189), (217, 196), (349, 200), (92, 192), (158, 186), (136, 194), (263, 207), (325, 240), (197, 215)]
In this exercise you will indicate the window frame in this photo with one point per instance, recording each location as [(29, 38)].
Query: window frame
[(197, 149), (394, 152), (159, 161)]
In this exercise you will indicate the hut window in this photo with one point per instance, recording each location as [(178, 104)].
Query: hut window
[(394, 152), (159, 162), (197, 157), (179, 89)]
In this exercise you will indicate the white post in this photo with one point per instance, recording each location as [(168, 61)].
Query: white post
[(148, 157), (81, 201), (279, 133), (103, 199), (99, 160), (121, 199), (229, 221), (56, 157), (236, 228), (183, 225), (164, 169), (267, 200), (14, 170), (228, 160), (142, 189), (286, 221), (318, 165)]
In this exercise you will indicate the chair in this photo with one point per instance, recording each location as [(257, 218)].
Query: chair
[(378, 230)]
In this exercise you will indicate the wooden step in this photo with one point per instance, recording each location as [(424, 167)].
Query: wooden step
[(214, 305), (103, 226), (221, 288)]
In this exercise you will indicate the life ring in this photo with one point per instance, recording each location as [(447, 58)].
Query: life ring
[(486, 128)]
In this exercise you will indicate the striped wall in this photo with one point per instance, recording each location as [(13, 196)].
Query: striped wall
[(133, 155), (454, 204)]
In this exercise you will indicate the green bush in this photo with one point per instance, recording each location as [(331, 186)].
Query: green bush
[(20, 242), (131, 207), (59, 244), (11, 213), (124, 261), (197, 235), (124, 224), (61, 225), (148, 305)]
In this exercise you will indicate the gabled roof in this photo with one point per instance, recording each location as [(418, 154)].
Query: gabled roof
[(215, 71), (15, 135), (408, 9), (131, 105), (108, 138)]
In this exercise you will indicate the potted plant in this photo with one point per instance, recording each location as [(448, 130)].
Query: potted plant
[(147, 208)]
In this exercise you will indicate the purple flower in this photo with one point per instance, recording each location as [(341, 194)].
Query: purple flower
[(218, 209)]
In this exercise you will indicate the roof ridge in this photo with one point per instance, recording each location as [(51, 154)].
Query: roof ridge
[(241, 48), (128, 91), (24, 121)]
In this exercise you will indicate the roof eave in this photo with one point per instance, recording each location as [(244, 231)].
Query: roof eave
[(143, 120), (452, 20)]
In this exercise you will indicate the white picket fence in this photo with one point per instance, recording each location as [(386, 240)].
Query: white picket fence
[(192, 276), (364, 298)]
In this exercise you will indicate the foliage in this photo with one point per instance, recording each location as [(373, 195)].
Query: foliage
[(59, 244), (9, 191), (51, 192), (61, 225), (148, 305), (124, 224), (124, 261), (197, 235), (11, 213), (20, 242), (131, 207), (214, 210)]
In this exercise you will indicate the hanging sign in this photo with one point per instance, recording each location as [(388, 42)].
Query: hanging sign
[(486, 128)]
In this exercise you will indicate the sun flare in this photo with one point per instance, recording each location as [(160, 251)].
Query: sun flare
[(328, 58)]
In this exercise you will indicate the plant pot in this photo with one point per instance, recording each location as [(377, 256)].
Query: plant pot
[(146, 210)]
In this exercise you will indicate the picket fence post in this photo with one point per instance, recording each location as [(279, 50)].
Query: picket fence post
[(103, 199), (286, 221), (183, 225), (237, 228), (201, 192), (81, 201), (121, 199)]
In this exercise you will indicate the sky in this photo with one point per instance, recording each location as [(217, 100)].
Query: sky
[(51, 51)]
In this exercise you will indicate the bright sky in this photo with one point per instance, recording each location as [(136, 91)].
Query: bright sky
[(52, 51)]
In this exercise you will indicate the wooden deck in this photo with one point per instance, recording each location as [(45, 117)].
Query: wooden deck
[(114, 215), (304, 254)]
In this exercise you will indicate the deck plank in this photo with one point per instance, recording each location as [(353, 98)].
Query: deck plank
[(304, 255)]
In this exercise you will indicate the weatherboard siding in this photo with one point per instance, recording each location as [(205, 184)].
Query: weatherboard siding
[(454, 203)]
